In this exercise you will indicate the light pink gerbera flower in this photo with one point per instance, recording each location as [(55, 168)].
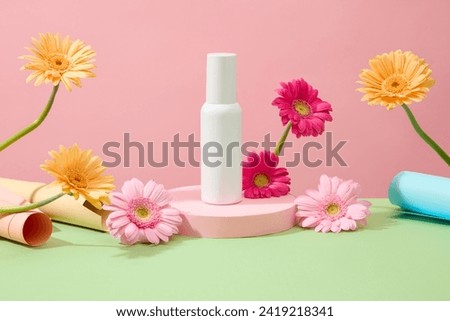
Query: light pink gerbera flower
[(299, 104), (142, 213), (333, 207), (262, 178)]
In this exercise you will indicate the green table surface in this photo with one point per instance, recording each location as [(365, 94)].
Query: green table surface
[(396, 257)]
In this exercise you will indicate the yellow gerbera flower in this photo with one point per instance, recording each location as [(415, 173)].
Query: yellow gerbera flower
[(56, 59), (395, 78), (80, 173)]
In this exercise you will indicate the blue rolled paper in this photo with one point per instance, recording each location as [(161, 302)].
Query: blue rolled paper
[(422, 194)]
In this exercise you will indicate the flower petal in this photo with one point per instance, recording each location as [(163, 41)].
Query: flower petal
[(118, 222), (325, 185), (151, 236), (117, 214), (131, 231), (357, 211), (161, 235), (336, 226), (160, 196), (310, 221)]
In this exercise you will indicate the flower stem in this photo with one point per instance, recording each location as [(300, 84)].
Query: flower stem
[(34, 124), (283, 137), (28, 207), (425, 137)]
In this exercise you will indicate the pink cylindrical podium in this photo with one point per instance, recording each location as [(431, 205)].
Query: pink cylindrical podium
[(250, 217)]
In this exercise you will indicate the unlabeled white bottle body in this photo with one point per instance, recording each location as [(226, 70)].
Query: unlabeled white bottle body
[(221, 131), (221, 135)]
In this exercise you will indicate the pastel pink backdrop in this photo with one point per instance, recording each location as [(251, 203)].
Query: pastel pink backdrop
[(151, 75)]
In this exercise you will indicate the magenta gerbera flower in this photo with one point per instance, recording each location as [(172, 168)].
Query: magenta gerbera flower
[(262, 178), (299, 104), (333, 207), (142, 213)]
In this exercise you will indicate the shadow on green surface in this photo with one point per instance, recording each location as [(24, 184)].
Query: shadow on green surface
[(54, 242), (147, 250), (411, 216), (130, 251), (382, 218), (294, 230), (51, 243)]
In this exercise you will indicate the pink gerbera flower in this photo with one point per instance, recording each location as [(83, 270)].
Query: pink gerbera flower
[(262, 178), (333, 207), (299, 104), (142, 213)]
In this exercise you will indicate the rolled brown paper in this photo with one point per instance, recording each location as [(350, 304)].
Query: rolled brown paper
[(65, 209), (31, 228)]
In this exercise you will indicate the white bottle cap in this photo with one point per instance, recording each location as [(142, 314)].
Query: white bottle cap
[(221, 78)]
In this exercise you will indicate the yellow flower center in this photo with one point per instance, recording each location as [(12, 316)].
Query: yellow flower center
[(302, 108), (394, 84), (59, 62), (333, 209), (143, 212), (77, 179), (261, 180)]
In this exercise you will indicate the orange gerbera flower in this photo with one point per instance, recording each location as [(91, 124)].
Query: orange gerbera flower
[(80, 173), (56, 60), (395, 78)]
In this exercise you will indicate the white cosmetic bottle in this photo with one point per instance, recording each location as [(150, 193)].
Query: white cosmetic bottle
[(221, 128)]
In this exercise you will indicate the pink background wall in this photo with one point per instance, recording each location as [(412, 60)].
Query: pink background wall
[(150, 78)]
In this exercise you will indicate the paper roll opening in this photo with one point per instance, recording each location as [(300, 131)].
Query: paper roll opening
[(37, 229)]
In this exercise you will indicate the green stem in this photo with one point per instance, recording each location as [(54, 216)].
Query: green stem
[(29, 207), (425, 137), (34, 124), (283, 137)]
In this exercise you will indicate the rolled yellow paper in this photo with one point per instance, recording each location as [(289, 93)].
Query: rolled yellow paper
[(65, 209)]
